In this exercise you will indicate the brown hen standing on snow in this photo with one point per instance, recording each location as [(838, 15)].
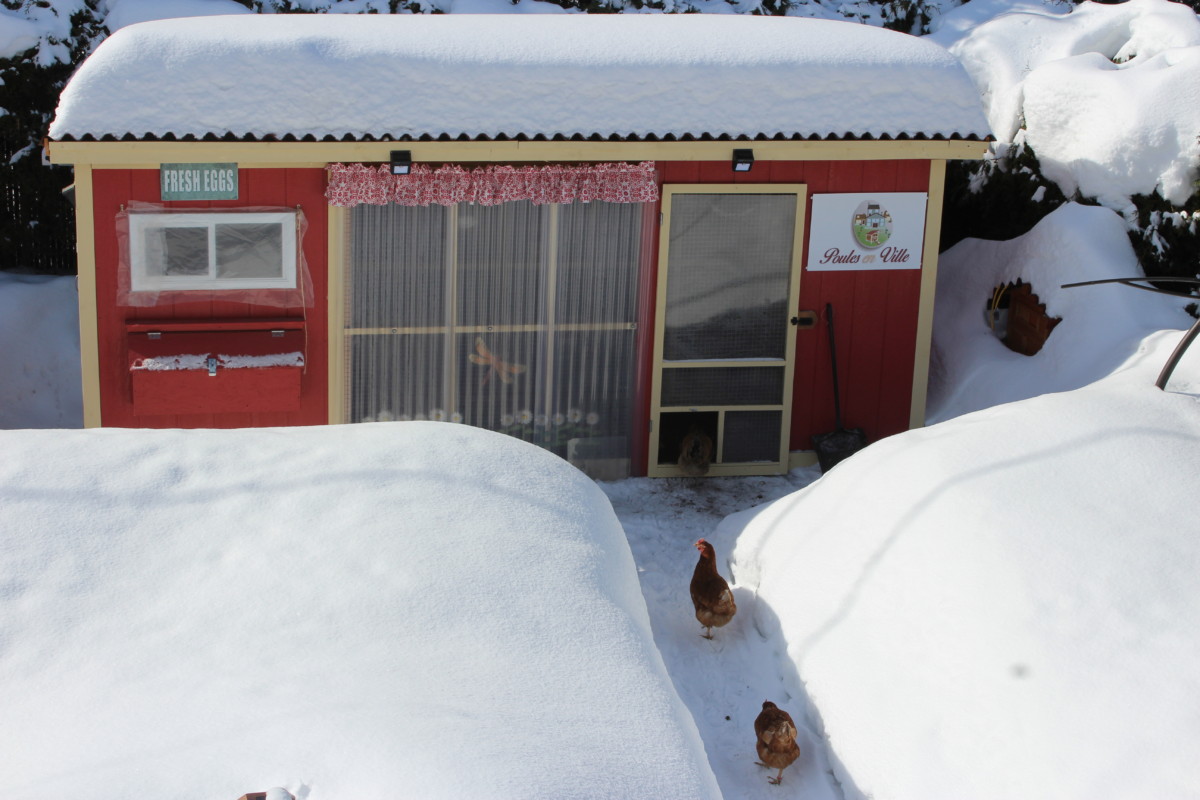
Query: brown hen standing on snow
[(710, 593), (776, 742)]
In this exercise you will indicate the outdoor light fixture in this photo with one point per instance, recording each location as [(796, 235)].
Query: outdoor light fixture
[(743, 160), (401, 162)]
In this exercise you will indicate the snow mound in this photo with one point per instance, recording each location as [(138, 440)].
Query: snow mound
[(1101, 327), (516, 74), (1003, 605), (364, 611)]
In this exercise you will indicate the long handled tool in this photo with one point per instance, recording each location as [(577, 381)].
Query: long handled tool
[(840, 443)]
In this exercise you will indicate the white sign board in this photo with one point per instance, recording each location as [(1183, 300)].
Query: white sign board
[(867, 231)]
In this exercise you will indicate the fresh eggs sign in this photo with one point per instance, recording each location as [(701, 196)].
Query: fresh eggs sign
[(198, 181), (867, 231)]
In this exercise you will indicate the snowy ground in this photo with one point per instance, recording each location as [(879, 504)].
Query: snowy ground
[(39, 359), (723, 681)]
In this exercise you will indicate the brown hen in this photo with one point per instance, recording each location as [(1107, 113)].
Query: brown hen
[(776, 739), (710, 593), (695, 453)]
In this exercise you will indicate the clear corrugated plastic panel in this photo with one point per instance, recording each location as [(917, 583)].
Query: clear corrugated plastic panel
[(516, 318)]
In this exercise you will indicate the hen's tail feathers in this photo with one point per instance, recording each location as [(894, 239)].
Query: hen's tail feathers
[(726, 604), (779, 734)]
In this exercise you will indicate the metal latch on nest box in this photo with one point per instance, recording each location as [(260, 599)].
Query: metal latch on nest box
[(212, 366)]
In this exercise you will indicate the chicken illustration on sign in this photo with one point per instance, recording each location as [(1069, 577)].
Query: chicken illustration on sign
[(484, 357), (872, 224)]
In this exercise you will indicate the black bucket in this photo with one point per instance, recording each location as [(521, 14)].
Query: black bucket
[(837, 445), (841, 443)]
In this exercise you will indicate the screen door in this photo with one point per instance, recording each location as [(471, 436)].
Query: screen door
[(725, 346)]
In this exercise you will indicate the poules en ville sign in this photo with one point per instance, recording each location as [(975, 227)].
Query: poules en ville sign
[(198, 181), (885, 230)]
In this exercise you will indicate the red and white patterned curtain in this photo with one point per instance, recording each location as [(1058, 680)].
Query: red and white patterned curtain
[(352, 184)]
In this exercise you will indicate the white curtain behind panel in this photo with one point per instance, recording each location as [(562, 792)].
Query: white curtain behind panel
[(517, 318)]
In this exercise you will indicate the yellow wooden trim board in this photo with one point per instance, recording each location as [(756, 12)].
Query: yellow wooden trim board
[(929, 268), (85, 283), (335, 280), (147, 155), (802, 458)]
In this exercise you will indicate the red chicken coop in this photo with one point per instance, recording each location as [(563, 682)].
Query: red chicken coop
[(594, 233)]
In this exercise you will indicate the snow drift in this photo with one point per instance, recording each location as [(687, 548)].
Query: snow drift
[(1003, 605), (365, 611)]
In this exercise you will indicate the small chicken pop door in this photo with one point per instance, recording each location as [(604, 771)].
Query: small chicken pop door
[(724, 347)]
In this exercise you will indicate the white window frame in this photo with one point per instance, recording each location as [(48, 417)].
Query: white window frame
[(141, 280)]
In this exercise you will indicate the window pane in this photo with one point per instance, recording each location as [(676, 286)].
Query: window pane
[(728, 271), (501, 264), (501, 383), (592, 400), (249, 250), (599, 246), (752, 436), (177, 251), (396, 377), (723, 386), (398, 266)]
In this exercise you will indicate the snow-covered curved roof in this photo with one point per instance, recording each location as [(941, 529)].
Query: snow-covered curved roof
[(490, 76)]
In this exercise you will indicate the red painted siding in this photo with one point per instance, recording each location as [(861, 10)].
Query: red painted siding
[(117, 188)]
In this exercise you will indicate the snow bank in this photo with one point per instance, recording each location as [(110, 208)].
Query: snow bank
[(365, 611), (1101, 326), (39, 354), (487, 75), (1003, 605), (1108, 96)]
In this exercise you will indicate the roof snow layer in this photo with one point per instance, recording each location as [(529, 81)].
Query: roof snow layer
[(487, 76)]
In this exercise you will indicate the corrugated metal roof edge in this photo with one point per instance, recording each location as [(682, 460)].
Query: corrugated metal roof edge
[(522, 137)]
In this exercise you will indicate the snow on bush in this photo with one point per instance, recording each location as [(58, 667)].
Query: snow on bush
[(1108, 96)]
